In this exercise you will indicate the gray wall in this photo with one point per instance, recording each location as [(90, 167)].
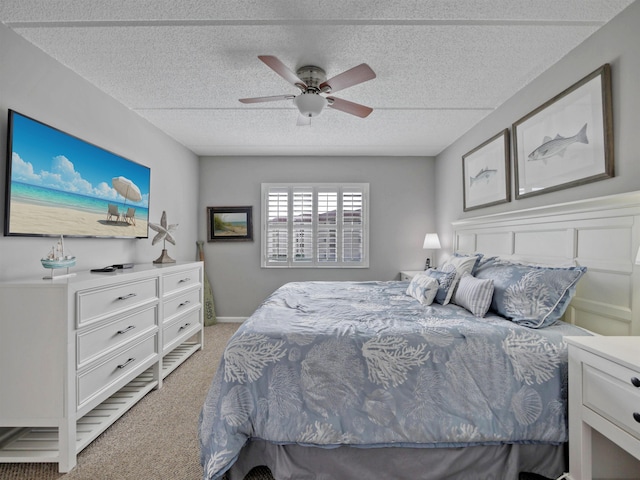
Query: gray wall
[(402, 211), (34, 84), (406, 193), (617, 44)]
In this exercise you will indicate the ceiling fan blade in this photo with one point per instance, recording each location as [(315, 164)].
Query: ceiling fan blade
[(349, 107), (351, 77), (281, 69), (273, 98), (303, 121)]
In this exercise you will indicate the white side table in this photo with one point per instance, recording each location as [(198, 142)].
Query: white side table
[(407, 275), (604, 395)]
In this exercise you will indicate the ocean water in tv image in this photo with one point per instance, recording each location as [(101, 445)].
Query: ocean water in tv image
[(37, 210), (35, 195)]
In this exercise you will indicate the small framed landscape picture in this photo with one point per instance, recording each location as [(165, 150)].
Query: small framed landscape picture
[(229, 224), (485, 173)]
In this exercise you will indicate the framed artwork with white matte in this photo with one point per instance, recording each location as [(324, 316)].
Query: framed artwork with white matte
[(567, 141), (486, 174)]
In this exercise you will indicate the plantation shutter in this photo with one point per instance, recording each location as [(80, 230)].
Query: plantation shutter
[(277, 231), (327, 226), (302, 225), (316, 225), (352, 225)]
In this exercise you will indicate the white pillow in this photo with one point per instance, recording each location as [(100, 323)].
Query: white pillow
[(423, 288), (474, 294), (461, 264)]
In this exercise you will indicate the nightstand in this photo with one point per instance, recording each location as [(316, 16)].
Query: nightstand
[(407, 275), (604, 396)]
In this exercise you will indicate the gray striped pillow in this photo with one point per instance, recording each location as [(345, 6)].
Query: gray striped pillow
[(474, 294)]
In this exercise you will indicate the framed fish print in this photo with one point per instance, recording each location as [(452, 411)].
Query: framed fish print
[(485, 173), (567, 141)]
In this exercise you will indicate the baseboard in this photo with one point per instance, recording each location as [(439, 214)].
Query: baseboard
[(231, 319)]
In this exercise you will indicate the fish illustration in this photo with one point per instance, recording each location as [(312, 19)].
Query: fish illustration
[(484, 174), (558, 145)]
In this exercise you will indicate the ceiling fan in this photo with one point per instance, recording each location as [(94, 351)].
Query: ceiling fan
[(312, 82)]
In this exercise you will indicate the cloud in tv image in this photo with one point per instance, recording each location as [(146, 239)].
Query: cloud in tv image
[(63, 185)]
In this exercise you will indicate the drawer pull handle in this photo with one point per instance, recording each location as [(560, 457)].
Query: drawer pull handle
[(184, 326), (635, 381), (184, 303), (636, 416), (127, 362), (124, 297), (130, 327), (187, 279)]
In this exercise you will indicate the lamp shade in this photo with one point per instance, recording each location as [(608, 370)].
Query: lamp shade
[(431, 241), (310, 104)]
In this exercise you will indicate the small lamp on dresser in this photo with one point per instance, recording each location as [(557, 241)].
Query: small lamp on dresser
[(431, 242)]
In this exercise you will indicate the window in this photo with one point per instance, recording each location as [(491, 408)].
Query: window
[(315, 225)]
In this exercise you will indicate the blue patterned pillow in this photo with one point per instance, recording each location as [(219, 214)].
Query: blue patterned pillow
[(482, 261), (423, 288), (446, 282), (530, 295)]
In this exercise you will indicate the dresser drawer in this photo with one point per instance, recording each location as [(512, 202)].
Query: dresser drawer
[(180, 280), (94, 304), (612, 395), (177, 332), (181, 303), (100, 378), (95, 342)]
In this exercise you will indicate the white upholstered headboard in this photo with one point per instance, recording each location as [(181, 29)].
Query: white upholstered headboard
[(601, 234)]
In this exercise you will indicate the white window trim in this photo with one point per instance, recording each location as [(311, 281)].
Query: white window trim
[(266, 263)]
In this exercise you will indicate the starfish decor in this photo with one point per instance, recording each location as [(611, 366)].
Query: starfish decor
[(164, 234)]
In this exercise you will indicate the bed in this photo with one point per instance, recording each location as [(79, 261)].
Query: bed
[(416, 369)]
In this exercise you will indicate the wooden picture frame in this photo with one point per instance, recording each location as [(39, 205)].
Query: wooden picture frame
[(229, 224), (486, 177), (567, 141)]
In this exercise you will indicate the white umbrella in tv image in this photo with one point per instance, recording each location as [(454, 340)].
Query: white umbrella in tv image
[(129, 191), (62, 185)]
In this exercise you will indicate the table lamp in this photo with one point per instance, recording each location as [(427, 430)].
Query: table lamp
[(431, 242)]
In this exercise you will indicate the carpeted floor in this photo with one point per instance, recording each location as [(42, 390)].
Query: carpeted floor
[(157, 439)]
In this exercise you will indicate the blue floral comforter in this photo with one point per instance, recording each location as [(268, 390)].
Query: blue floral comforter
[(364, 364)]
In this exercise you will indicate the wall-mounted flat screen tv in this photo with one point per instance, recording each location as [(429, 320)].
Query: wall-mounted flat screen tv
[(58, 184)]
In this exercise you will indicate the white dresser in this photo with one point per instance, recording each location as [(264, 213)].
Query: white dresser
[(604, 396), (76, 353)]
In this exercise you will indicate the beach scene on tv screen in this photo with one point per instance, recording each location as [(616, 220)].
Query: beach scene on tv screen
[(61, 185)]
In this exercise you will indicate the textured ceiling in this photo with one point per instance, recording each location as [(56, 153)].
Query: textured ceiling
[(441, 65)]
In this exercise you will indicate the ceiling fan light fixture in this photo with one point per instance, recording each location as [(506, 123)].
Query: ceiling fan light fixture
[(312, 82), (310, 104)]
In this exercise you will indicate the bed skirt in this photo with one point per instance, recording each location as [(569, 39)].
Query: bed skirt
[(492, 462)]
